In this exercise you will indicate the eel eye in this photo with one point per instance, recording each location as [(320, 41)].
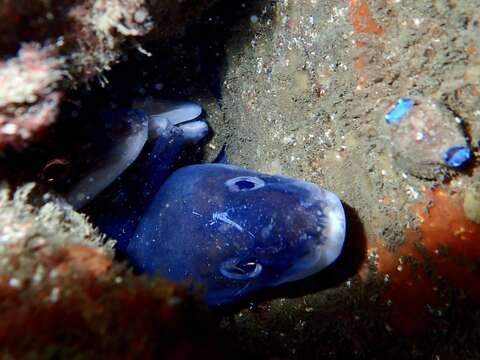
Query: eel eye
[(244, 183), (237, 269)]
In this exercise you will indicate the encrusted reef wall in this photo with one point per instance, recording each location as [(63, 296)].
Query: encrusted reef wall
[(62, 294), (308, 95), (49, 47)]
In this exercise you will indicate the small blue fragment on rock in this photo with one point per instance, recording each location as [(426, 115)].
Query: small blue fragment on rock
[(425, 137), (456, 156), (399, 111)]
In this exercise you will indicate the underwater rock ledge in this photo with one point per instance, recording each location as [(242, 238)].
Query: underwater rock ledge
[(66, 43), (61, 292)]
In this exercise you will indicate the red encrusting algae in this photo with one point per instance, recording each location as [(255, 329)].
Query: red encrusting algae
[(361, 19), (453, 240), (91, 318), (363, 23), (439, 255), (63, 293)]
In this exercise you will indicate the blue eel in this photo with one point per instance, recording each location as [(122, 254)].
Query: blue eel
[(231, 230)]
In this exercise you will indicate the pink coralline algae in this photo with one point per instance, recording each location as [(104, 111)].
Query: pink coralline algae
[(99, 27), (29, 94), (76, 45)]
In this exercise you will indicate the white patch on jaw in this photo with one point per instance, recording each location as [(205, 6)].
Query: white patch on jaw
[(334, 232)]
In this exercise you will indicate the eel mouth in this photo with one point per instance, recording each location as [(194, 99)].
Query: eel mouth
[(175, 112), (130, 131), (332, 235), (185, 116)]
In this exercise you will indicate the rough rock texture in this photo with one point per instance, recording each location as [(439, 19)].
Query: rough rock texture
[(63, 295), (50, 46), (420, 141), (59, 44), (29, 96), (306, 89)]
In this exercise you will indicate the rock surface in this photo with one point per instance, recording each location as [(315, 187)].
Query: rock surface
[(62, 294)]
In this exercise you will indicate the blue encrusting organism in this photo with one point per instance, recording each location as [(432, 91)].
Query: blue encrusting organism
[(401, 108), (425, 137), (456, 156), (232, 230)]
